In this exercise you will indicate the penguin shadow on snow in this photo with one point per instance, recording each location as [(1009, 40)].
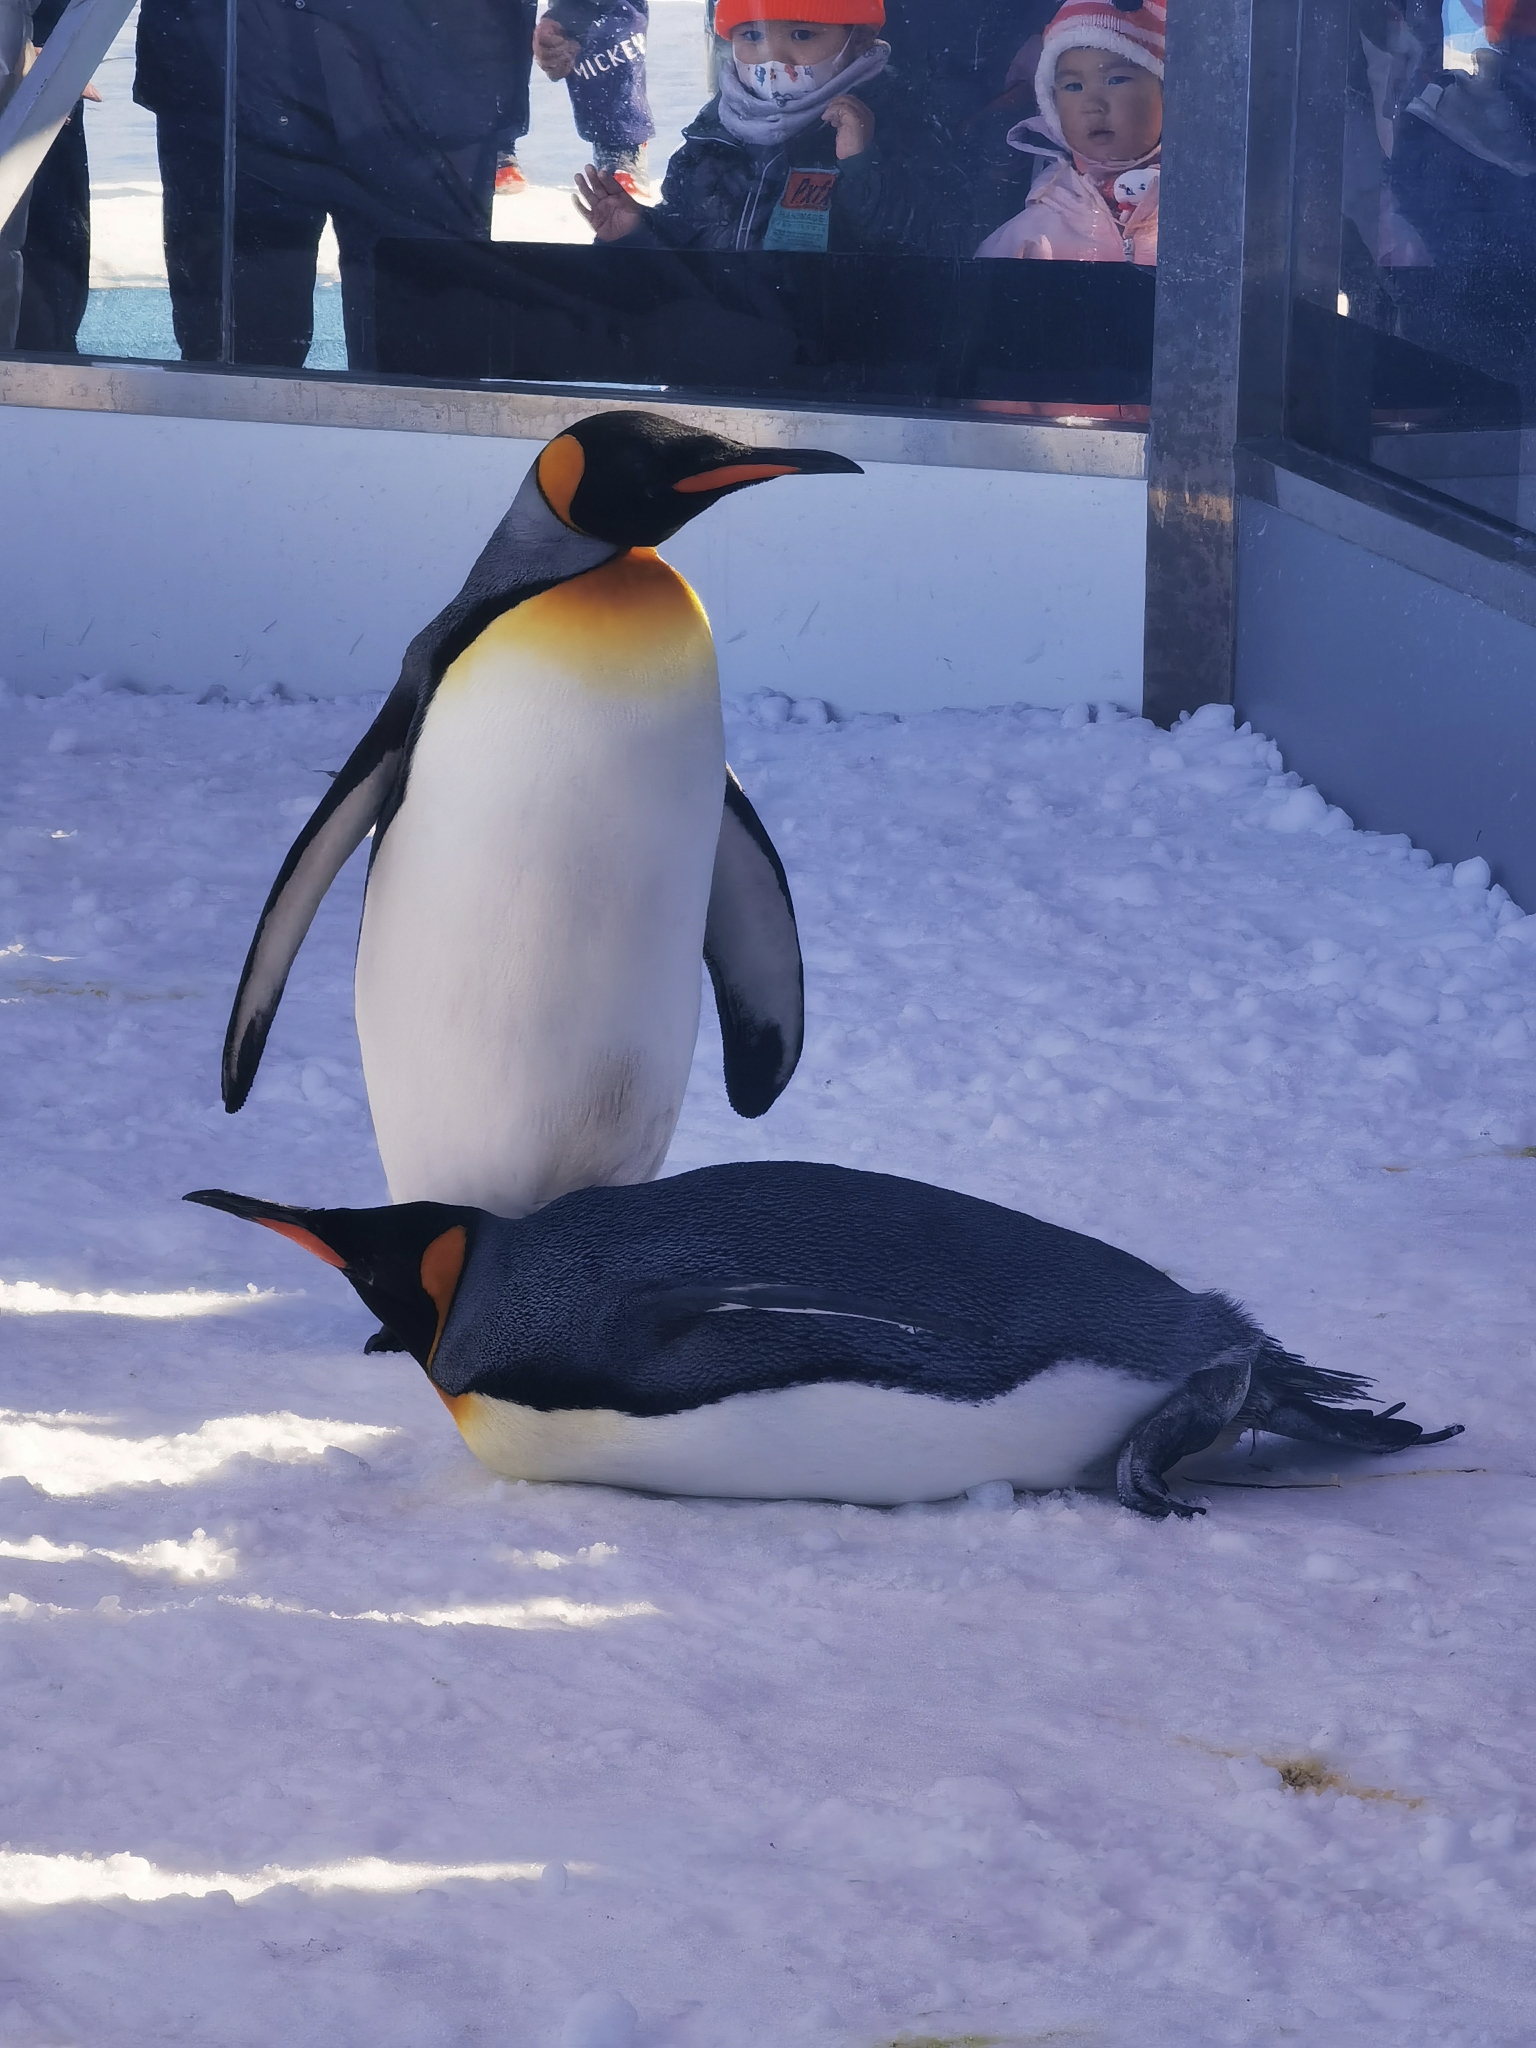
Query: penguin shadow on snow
[(783, 1330)]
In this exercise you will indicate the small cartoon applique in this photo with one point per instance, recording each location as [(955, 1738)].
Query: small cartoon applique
[(1131, 187), (803, 212)]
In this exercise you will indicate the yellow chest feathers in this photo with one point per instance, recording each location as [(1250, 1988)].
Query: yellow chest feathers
[(631, 628)]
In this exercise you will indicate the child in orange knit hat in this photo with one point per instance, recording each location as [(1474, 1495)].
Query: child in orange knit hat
[(1099, 130), (808, 145)]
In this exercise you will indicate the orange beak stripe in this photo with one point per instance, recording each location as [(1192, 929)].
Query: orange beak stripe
[(307, 1238), (735, 473)]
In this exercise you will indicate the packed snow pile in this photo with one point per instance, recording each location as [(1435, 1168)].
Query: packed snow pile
[(316, 1731)]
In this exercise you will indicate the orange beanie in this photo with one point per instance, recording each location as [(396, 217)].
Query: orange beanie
[(730, 14)]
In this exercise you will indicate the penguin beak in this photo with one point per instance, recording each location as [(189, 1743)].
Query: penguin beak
[(289, 1223), (797, 462)]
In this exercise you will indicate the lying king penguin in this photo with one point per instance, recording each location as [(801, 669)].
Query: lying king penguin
[(556, 840), (779, 1330)]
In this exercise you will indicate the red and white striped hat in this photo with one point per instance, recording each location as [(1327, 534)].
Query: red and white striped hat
[(1098, 25)]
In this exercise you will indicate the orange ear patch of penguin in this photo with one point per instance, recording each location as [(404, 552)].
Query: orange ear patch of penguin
[(560, 469), (441, 1265)]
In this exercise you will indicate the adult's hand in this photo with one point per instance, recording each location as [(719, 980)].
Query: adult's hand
[(554, 51), (602, 201), (854, 123)]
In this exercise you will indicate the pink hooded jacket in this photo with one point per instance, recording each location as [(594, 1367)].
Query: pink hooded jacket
[(1068, 218)]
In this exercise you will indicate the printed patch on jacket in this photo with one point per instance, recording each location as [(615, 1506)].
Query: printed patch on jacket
[(598, 63), (803, 213)]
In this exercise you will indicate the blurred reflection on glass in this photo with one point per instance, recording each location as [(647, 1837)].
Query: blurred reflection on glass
[(785, 204), (1432, 370), (15, 49)]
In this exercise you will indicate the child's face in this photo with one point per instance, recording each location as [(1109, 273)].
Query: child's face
[(789, 42), (1109, 109)]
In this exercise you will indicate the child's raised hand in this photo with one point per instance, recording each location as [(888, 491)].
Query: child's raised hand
[(553, 50), (854, 123), (602, 201)]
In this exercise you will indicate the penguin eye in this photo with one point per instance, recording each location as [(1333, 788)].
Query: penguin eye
[(560, 470)]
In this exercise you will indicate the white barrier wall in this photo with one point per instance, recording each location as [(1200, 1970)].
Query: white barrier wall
[(187, 553)]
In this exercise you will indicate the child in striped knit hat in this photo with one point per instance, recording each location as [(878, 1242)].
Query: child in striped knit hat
[(1099, 132)]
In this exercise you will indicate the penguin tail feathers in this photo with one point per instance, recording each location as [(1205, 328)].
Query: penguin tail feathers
[(1285, 1376), (1288, 1397)]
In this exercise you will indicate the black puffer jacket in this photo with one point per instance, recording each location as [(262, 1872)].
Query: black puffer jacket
[(902, 192), (453, 72)]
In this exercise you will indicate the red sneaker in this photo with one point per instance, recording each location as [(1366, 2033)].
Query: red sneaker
[(637, 185), (509, 178)]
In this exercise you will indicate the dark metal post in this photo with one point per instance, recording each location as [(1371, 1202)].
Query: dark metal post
[(1222, 288), (227, 246)]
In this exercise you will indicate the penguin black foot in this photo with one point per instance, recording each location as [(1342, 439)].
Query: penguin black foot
[(1191, 1421), (1146, 1493), (384, 1339), (1290, 1398), (1354, 1429)]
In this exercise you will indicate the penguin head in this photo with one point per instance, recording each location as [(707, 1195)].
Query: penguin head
[(633, 478), (405, 1262)]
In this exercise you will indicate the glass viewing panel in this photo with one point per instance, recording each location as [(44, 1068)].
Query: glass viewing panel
[(1414, 317), (868, 207)]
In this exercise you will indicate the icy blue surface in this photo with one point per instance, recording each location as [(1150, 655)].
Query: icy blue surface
[(135, 321)]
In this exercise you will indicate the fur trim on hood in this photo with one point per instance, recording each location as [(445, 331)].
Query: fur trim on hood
[(1097, 25)]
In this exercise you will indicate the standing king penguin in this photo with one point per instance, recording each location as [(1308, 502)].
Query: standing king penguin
[(550, 855)]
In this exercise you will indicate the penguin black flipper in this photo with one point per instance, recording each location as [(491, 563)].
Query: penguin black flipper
[(342, 820), (752, 951), (513, 566)]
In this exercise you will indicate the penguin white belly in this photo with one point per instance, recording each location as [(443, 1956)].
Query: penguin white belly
[(529, 967), (837, 1441)]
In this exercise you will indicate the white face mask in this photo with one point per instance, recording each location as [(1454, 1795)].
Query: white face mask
[(785, 83)]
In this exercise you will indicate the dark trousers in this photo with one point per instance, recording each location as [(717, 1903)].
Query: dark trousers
[(607, 87), (56, 256), (520, 113), (281, 207)]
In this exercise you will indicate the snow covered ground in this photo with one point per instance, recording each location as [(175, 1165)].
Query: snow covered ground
[(316, 1732)]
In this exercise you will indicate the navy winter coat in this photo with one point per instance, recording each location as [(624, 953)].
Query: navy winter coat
[(902, 192), (452, 70)]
